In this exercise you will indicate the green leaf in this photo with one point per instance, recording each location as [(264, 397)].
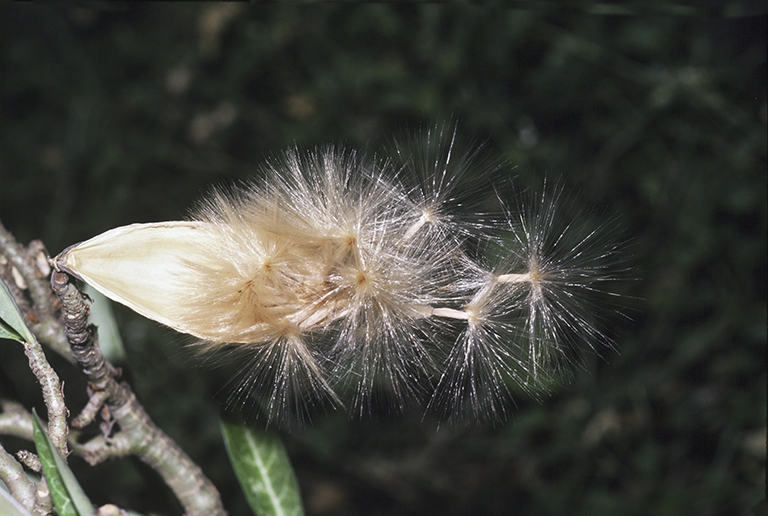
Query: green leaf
[(264, 470), (6, 332), (11, 316), (9, 506), (68, 497)]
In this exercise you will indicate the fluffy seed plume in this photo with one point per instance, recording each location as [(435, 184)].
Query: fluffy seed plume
[(344, 282)]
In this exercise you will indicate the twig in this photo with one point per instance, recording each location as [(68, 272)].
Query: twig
[(12, 473), (25, 270), (30, 460), (33, 269), (137, 434), (15, 420), (43, 499), (52, 394)]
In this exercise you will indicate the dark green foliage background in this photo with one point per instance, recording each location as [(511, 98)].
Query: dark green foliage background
[(119, 113)]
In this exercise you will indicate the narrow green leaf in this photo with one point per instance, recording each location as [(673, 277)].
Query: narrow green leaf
[(68, 497), (9, 506), (47, 453), (11, 315), (264, 470), (6, 332)]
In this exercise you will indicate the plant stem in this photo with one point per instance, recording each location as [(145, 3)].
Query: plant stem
[(19, 485), (52, 394)]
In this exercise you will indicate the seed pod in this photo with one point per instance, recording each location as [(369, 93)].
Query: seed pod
[(147, 267), (336, 280)]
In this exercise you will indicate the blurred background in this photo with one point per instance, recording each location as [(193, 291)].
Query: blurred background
[(114, 113)]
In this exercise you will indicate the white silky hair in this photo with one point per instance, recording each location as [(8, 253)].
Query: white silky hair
[(344, 280)]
